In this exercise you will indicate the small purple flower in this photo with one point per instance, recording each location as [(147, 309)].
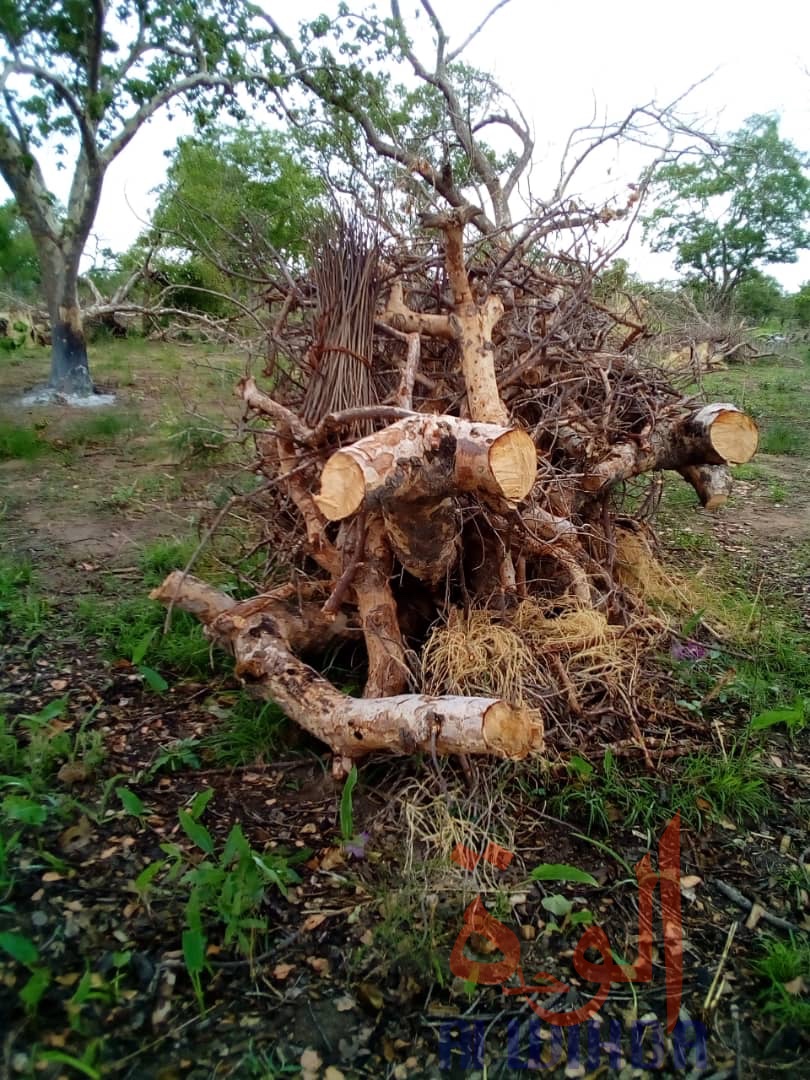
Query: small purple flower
[(356, 847), (689, 650)]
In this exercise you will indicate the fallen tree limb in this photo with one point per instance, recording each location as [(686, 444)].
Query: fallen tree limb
[(716, 434), (427, 455), (303, 626), (258, 638)]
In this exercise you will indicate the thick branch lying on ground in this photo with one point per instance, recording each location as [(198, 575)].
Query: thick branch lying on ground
[(427, 455), (717, 434), (302, 626), (351, 727)]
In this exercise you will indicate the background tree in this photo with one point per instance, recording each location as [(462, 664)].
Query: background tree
[(760, 297), (735, 210), (801, 305), (82, 79), (19, 266), (235, 202)]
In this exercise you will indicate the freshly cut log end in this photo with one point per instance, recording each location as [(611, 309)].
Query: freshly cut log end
[(511, 731), (513, 464), (733, 434), (716, 434), (343, 488)]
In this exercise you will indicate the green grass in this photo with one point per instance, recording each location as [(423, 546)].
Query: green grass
[(123, 626), (21, 605), (783, 963), (781, 438), (32, 750), (704, 785), (162, 556), (734, 786), (20, 443), (198, 437), (101, 427), (249, 731)]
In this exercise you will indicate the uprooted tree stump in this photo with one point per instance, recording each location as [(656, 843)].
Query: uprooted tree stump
[(464, 521)]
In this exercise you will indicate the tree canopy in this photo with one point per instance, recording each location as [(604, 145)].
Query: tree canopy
[(736, 209)]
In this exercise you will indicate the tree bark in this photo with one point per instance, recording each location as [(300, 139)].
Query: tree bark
[(428, 456), (716, 434), (351, 727), (387, 669), (713, 483), (70, 371)]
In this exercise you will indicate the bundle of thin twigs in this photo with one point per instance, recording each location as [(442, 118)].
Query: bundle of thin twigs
[(347, 281)]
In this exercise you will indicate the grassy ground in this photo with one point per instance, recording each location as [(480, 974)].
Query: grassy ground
[(185, 893)]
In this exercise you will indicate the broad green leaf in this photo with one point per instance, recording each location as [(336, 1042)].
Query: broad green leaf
[(200, 802), (236, 846), (561, 872), (557, 905), (31, 993), (581, 918), (142, 648), (49, 712), (194, 942), (777, 716), (27, 811), (153, 679), (21, 948), (143, 881), (580, 767), (130, 802), (197, 833)]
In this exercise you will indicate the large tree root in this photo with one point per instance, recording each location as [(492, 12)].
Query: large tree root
[(258, 633)]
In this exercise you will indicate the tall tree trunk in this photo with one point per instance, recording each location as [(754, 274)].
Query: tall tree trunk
[(70, 373)]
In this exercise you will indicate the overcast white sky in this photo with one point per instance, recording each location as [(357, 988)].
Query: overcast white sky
[(559, 61)]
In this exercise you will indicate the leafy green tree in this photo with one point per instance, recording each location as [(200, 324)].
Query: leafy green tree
[(232, 196), (743, 206), (801, 305), (81, 79), (760, 297), (19, 265)]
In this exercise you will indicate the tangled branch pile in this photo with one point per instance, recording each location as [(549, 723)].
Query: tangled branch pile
[(445, 444)]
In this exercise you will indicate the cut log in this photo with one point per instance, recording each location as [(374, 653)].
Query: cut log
[(351, 727), (731, 433), (713, 483), (424, 456), (716, 434)]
